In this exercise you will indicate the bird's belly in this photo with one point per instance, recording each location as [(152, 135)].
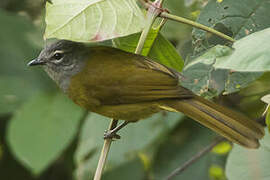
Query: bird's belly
[(88, 98), (128, 112)]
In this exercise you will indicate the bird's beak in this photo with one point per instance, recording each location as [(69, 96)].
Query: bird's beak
[(35, 62)]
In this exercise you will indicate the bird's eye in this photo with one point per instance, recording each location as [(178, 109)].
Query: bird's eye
[(58, 56)]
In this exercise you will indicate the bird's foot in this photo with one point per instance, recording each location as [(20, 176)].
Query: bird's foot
[(110, 134)]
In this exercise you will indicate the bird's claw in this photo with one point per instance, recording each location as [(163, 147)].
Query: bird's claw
[(111, 135)]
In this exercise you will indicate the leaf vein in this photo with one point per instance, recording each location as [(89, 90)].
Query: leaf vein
[(94, 2)]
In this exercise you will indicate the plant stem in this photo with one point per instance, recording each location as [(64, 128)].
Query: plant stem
[(195, 158), (195, 24), (151, 16), (104, 152)]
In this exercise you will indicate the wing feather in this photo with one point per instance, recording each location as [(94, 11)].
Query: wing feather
[(126, 78)]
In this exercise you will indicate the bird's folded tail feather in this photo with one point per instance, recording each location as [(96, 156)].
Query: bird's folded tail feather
[(232, 125)]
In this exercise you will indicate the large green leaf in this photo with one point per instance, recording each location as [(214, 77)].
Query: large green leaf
[(18, 45), (40, 131), (156, 47), (237, 18), (251, 53), (129, 43), (249, 164), (135, 138), (166, 54), (92, 20), (202, 77), (14, 91)]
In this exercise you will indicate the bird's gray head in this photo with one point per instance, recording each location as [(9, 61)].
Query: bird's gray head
[(61, 60)]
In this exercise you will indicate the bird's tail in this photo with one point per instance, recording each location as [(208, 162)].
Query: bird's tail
[(232, 125)]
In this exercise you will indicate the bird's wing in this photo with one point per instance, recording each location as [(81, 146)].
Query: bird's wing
[(128, 78)]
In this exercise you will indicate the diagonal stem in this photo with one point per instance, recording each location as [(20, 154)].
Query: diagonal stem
[(196, 25), (162, 13), (195, 158), (151, 16)]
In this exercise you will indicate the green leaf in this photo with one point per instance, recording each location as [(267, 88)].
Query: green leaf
[(18, 45), (244, 56), (250, 54), (250, 97), (267, 119), (212, 55), (13, 92), (237, 18), (135, 138), (202, 77), (186, 141), (239, 80), (129, 43), (40, 131), (222, 148), (217, 172), (249, 164), (90, 21), (173, 30), (166, 54), (131, 170), (156, 47), (266, 99)]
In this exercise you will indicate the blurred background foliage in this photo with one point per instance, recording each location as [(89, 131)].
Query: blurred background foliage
[(43, 135)]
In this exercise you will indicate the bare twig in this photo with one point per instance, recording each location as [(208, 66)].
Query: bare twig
[(195, 158), (104, 152), (157, 6), (195, 24)]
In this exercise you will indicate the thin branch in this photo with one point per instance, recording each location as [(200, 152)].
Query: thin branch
[(152, 13), (148, 4), (195, 158), (104, 152), (195, 24)]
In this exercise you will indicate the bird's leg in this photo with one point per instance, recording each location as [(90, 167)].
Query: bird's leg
[(112, 133)]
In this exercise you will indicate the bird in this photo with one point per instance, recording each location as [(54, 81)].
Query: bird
[(130, 87)]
